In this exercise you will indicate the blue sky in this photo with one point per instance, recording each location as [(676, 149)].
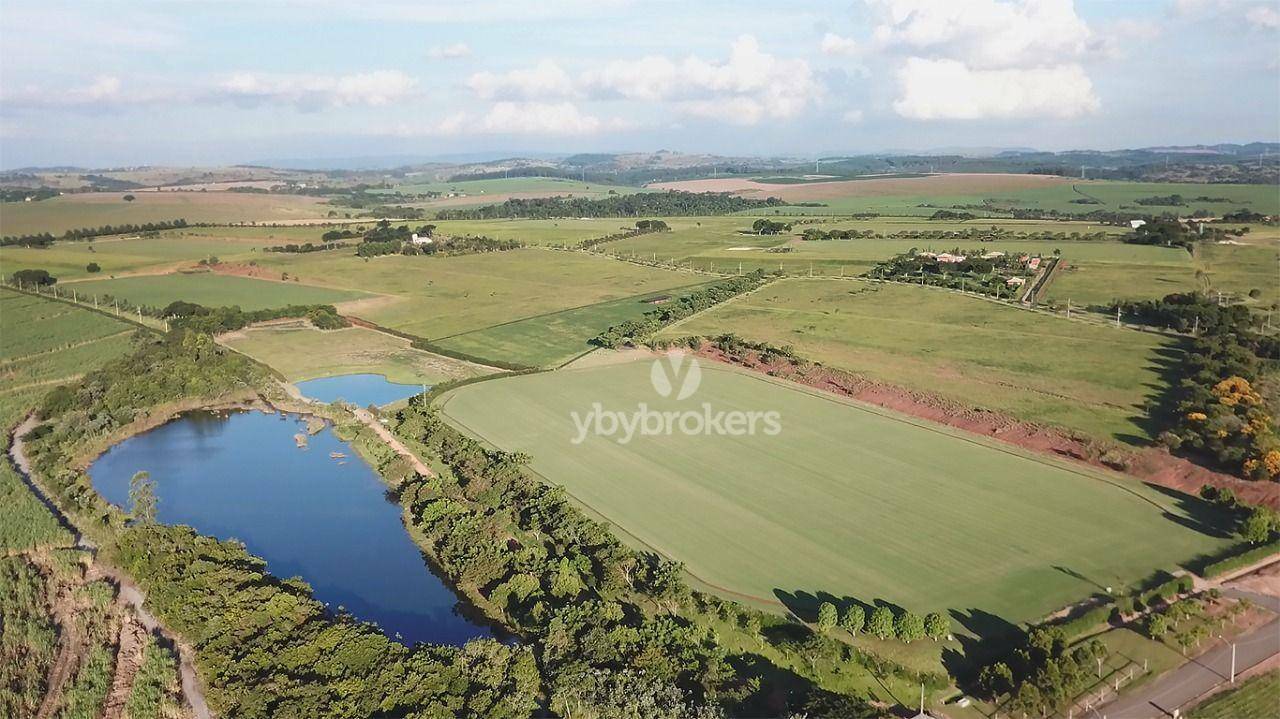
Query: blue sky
[(219, 81)]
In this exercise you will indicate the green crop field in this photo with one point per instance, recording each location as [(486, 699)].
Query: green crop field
[(43, 343), (553, 338), (1256, 697), (845, 500), (435, 297), (1088, 377), (528, 186), (94, 209), (212, 290), (300, 352)]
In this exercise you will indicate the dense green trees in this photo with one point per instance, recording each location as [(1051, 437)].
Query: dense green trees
[(1042, 674), (216, 320), (660, 204), (827, 617), (654, 320), (853, 618), (28, 278), (85, 233), (880, 624)]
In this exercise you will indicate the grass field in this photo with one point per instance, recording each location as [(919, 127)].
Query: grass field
[(537, 232), (301, 353), (553, 338), (1256, 697), (436, 297), (212, 290), (845, 500), (544, 186), (1090, 378), (93, 209), (69, 260), (923, 196)]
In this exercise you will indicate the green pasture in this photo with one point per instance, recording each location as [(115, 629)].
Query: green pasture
[(1088, 377), (94, 209), (114, 255), (553, 338), (301, 352), (845, 501), (1257, 696), (1113, 196), (212, 290), (436, 297), (568, 232)]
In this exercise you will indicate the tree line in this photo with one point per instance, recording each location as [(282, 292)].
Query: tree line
[(654, 320), (45, 239), (1219, 412), (661, 204), (642, 227)]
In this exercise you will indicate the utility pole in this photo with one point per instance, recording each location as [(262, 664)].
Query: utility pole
[(1068, 308), (1117, 316), (1233, 662)]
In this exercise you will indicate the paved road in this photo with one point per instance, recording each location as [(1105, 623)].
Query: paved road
[(1159, 699)]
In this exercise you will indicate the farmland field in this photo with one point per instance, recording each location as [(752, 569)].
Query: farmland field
[(563, 231), (212, 290), (551, 338), (845, 500), (1258, 696), (300, 352), (93, 209), (69, 260), (436, 297), (1091, 378), (925, 195)]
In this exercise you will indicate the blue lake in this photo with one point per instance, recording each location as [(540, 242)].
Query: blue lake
[(324, 518), (361, 390)]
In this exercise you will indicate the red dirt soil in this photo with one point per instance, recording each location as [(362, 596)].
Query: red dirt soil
[(1153, 465)]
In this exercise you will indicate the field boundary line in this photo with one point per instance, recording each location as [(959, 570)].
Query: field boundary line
[(68, 301), (558, 312)]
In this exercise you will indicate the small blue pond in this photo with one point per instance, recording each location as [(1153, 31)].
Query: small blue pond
[(307, 511), (361, 390)]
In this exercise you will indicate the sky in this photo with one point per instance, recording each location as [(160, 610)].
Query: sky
[(196, 82)]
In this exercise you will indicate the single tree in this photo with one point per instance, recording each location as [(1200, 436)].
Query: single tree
[(129, 198), (826, 617), (853, 619), (1157, 626), (936, 626), (142, 497), (881, 623), (92, 267), (909, 627)]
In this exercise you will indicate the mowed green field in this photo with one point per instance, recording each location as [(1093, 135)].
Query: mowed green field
[(845, 500), (301, 352), (212, 290), (554, 338), (94, 209), (1088, 377)]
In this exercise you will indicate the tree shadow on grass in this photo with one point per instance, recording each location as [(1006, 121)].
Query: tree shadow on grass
[(1198, 514), (1160, 408), (984, 637)]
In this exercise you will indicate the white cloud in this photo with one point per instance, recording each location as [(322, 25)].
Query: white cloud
[(746, 87), (833, 44), (103, 92), (315, 92), (538, 118), (542, 81), (1263, 16), (449, 52), (950, 90), (984, 34), (852, 117)]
